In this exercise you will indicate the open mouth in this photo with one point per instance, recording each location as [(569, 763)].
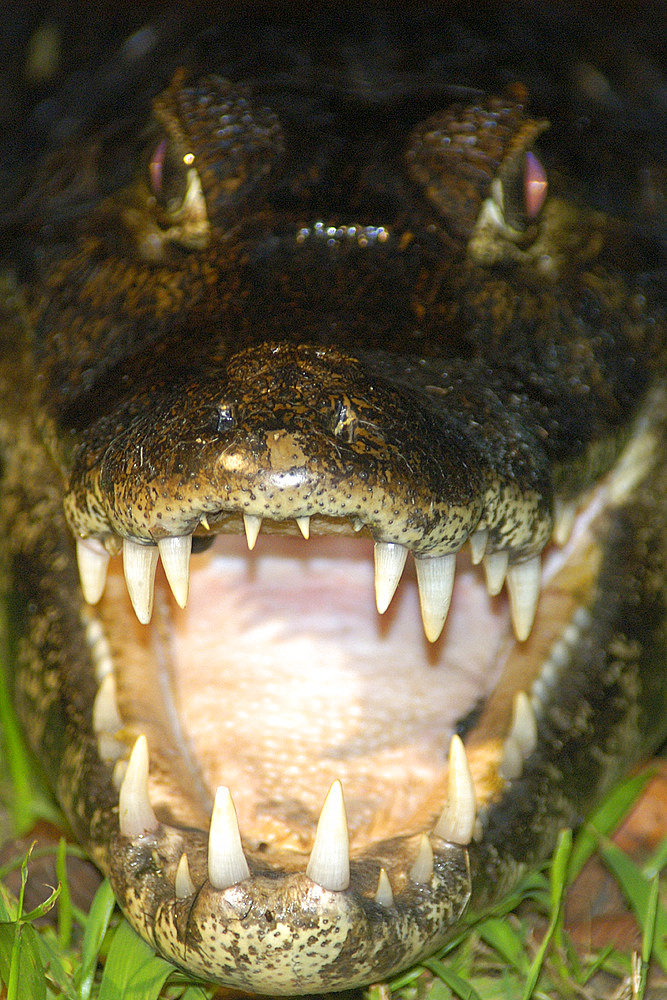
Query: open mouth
[(303, 779)]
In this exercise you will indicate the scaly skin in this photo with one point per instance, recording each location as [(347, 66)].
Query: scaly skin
[(417, 373)]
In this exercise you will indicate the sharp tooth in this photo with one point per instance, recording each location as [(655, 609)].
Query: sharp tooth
[(383, 894), (457, 821), (183, 884), (106, 718), (524, 724), (435, 578), (139, 564), (226, 861), (175, 555), (118, 774), (511, 764), (93, 560), (389, 564), (523, 583), (252, 525), (203, 520), (134, 808), (565, 512), (478, 541), (495, 568), (422, 870), (329, 863), (304, 526)]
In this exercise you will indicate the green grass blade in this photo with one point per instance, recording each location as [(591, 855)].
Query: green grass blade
[(605, 819), (96, 927), (638, 890), (500, 934), (458, 986), (65, 911), (559, 868), (132, 970)]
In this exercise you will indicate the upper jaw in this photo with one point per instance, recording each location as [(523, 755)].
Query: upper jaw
[(351, 909)]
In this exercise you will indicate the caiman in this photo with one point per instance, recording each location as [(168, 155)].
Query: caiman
[(333, 489)]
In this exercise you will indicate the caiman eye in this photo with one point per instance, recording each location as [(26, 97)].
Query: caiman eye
[(522, 193), (535, 186), (168, 176)]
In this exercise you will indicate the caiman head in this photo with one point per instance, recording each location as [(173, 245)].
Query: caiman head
[(356, 433)]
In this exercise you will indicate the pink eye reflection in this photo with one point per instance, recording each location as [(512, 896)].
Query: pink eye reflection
[(156, 165), (535, 186)]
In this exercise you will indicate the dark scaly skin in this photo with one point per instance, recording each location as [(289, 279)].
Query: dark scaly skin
[(452, 385)]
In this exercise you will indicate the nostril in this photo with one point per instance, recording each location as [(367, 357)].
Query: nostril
[(224, 418), (345, 420)]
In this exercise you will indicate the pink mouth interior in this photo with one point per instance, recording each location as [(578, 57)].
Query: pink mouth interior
[(280, 677)]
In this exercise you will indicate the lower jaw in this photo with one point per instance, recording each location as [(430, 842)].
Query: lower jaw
[(254, 910)]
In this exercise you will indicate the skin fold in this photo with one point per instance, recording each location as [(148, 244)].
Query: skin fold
[(314, 287)]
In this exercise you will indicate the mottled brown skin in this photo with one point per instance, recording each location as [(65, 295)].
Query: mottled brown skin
[(438, 384)]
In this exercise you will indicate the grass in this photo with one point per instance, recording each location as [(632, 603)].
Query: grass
[(97, 956)]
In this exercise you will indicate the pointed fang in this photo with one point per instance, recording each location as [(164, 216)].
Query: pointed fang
[(422, 870), (226, 861), (383, 894), (565, 514), (175, 555), (389, 564), (135, 813), (478, 541), (303, 524), (139, 565), (435, 579), (183, 884), (252, 525), (524, 724), (523, 583), (495, 569), (457, 821), (93, 560), (329, 864), (106, 718)]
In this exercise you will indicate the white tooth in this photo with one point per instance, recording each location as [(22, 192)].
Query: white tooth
[(524, 724), (422, 870), (119, 772), (435, 579), (175, 554), (304, 526), (106, 718), (203, 520), (457, 821), (252, 525), (226, 861), (93, 560), (389, 564), (329, 863), (511, 764), (134, 808), (495, 568), (523, 583), (565, 512), (383, 894), (110, 749), (478, 541), (183, 884), (139, 565)]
